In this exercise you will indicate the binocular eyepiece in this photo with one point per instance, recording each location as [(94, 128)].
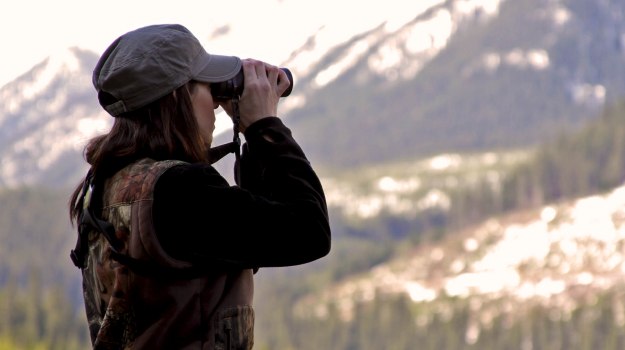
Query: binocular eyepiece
[(229, 89)]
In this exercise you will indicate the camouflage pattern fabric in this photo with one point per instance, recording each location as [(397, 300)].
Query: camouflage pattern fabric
[(127, 309), (106, 282)]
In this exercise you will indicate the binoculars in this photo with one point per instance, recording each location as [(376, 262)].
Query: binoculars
[(229, 89)]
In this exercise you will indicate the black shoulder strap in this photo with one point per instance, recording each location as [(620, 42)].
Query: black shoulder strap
[(218, 152), (88, 221), (236, 120)]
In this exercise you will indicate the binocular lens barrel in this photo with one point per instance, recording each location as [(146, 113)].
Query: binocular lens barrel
[(234, 87)]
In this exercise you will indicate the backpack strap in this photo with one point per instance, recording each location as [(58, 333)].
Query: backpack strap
[(236, 140), (88, 221)]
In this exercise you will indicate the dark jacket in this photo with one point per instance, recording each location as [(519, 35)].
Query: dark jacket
[(183, 278)]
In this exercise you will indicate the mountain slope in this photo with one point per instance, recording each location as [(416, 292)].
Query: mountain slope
[(47, 116), (450, 76), (515, 79), (546, 278), (548, 255)]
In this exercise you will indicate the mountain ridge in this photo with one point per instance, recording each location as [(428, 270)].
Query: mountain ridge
[(458, 76), (527, 105)]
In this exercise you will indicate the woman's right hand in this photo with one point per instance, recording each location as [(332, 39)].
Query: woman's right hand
[(263, 86)]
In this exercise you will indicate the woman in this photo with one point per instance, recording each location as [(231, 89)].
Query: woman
[(167, 247)]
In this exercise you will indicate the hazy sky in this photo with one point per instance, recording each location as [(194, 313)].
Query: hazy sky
[(31, 30)]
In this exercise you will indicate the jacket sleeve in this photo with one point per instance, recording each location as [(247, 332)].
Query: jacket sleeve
[(276, 216)]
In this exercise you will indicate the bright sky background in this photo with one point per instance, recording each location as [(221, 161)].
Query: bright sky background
[(270, 30), (31, 30)]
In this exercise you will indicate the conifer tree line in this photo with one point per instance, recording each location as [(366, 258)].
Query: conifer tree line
[(398, 323), (586, 162)]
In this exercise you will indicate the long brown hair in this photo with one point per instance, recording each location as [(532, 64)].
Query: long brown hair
[(164, 129)]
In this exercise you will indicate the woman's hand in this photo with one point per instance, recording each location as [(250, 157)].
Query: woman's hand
[(263, 86)]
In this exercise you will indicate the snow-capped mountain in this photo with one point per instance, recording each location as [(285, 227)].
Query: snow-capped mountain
[(47, 115), (413, 80), (51, 111)]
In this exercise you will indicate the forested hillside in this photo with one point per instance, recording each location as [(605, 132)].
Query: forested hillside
[(40, 296), (465, 189), (589, 319), (590, 161)]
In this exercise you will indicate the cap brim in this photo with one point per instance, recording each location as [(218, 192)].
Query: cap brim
[(218, 68)]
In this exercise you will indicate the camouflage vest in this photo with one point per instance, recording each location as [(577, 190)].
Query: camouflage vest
[(139, 297)]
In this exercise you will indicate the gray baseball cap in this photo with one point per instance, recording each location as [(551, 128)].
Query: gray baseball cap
[(148, 63)]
